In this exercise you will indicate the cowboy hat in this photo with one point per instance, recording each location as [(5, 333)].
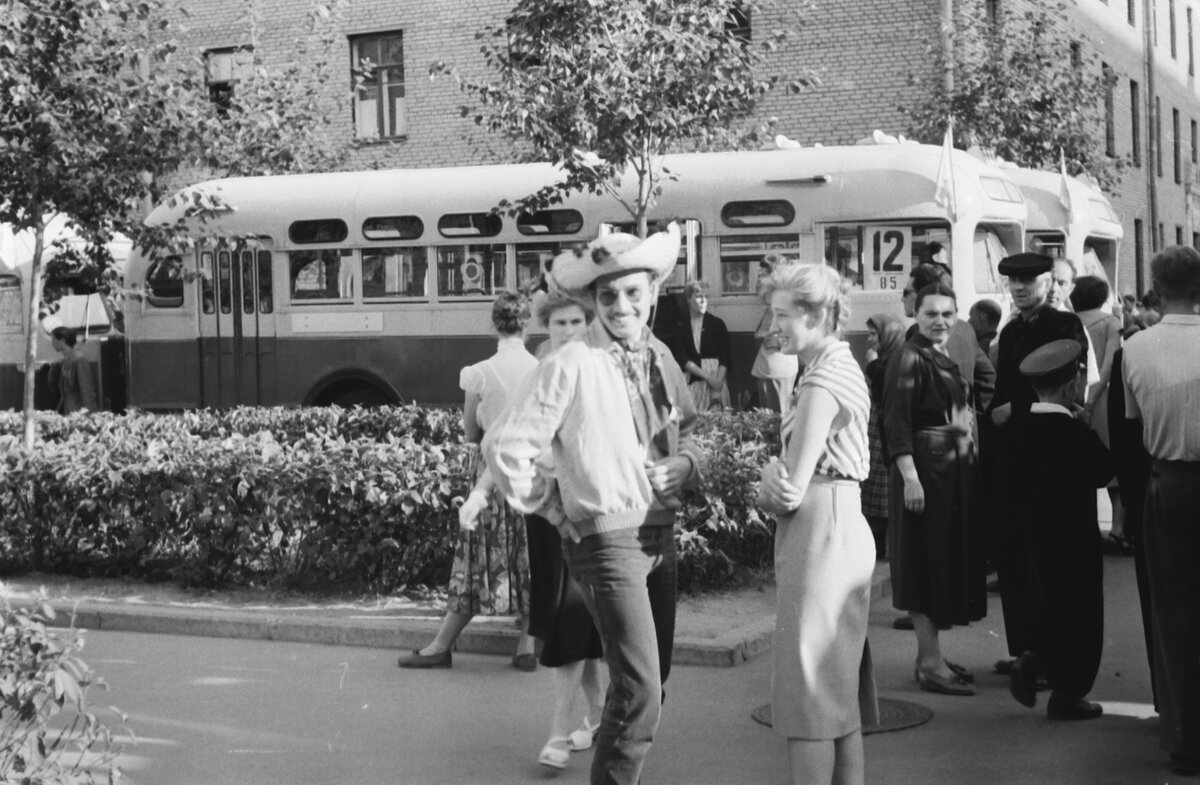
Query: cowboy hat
[(616, 254)]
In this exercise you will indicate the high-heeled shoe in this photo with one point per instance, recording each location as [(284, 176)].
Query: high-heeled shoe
[(583, 738), (556, 753)]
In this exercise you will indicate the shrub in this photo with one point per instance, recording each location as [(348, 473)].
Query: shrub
[(358, 500), (42, 680)]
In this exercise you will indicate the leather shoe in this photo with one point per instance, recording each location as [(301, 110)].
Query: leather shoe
[(524, 662), (416, 659), (902, 623), (952, 685), (1185, 764), (1022, 680), (1060, 707)]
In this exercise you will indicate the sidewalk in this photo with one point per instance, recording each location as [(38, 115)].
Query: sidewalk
[(721, 630)]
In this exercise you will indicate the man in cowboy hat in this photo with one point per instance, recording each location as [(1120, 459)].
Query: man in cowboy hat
[(615, 412)]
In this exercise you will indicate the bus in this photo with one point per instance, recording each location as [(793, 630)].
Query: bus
[(376, 287), (91, 316), (1085, 229)]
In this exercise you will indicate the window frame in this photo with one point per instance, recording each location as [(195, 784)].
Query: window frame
[(390, 119)]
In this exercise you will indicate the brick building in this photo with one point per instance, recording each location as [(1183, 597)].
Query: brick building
[(864, 51)]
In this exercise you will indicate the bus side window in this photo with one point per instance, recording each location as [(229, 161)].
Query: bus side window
[(208, 301), (10, 303), (843, 251), (164, 279), (532, 260), (266, 299), (394, 272), (741, 255), (471, 271), (321, 274)]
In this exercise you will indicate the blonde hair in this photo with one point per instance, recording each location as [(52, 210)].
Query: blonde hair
[(545, 306), (816, 288)]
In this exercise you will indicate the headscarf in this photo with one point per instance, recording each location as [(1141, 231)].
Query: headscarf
[(890, 329)]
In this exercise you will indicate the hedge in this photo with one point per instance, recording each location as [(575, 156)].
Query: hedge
[(339, 501)]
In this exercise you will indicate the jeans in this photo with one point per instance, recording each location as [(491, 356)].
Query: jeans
[(628, 578)]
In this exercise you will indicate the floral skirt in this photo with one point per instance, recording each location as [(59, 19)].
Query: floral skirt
[(490, 574)]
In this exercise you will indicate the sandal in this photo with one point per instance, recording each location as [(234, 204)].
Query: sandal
[(556, 753), (583, 738)]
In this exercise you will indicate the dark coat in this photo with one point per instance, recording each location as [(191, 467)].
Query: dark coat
[(714, 342), (1056, 463)]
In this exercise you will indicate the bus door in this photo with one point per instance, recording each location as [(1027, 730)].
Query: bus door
[(237, 326)]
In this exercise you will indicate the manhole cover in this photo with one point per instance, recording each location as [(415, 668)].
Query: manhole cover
[(893, 715)]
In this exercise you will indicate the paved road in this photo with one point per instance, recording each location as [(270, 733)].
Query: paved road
[(249, 712)]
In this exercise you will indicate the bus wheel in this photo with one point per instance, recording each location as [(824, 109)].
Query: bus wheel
[(365, 397)]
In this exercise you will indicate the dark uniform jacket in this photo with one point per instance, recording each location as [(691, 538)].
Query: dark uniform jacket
[(1020, 337)]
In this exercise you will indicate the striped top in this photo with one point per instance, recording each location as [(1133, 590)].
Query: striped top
[(847, 454)]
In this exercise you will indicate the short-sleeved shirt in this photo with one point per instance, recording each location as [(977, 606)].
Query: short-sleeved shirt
[(847, 453), (496, 377), (1161, 369)]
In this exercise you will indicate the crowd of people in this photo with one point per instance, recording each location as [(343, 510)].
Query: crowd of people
[(966, 445)]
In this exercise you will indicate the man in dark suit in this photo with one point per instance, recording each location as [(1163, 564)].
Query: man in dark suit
[(1036, 324)]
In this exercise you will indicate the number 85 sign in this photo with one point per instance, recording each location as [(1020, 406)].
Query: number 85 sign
[(889, 256)]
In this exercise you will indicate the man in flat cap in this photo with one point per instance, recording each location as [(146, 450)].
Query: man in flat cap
[(1056, 463), (1036, 324), (1161, 372), (615, 412)]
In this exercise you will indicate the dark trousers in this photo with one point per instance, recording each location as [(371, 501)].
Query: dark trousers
[(1172, 538), (1069, 621), (1009, 547), (629, 582)]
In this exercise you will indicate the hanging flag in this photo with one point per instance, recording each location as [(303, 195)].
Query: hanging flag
[(1064, 193), (945, 195)]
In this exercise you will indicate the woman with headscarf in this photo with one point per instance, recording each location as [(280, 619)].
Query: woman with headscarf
[(885, 334)]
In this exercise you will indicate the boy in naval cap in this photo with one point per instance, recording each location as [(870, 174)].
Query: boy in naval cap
[(1056, 463)]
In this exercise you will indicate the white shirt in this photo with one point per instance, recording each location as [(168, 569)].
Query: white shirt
[(1161, 373)]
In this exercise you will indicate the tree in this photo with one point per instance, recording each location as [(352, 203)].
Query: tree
[(1020, 87), (601, 88), (98, 113)]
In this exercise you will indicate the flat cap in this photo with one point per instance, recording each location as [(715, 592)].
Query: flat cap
[(1027, 264), (1053, 363)]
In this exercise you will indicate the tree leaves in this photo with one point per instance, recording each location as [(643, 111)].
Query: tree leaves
[(1017, 92), (624, 82)]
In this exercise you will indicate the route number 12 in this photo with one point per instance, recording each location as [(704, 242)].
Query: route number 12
[(889, 256)]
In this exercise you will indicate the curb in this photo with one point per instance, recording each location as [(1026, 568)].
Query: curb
[(484, 636)]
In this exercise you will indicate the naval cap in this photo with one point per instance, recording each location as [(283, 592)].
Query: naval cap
[(1026, 264), (1053, 363)]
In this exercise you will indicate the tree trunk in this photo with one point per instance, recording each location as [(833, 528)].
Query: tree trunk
[(31, 328)]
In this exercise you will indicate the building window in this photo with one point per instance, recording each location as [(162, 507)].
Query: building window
[(1171, 20), (378, 63), (1133, 12), (223, 69), (1139, 255), (991, 9), (1191, 42), (1196, 240), (1178, 234), (1195, 141), (737, 23), (1158, 136), (1135, 121), (1110, 124), (1175, 147), (1162, 238)]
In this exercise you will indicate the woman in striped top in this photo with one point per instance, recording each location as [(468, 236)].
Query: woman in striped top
[(823, 690)]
